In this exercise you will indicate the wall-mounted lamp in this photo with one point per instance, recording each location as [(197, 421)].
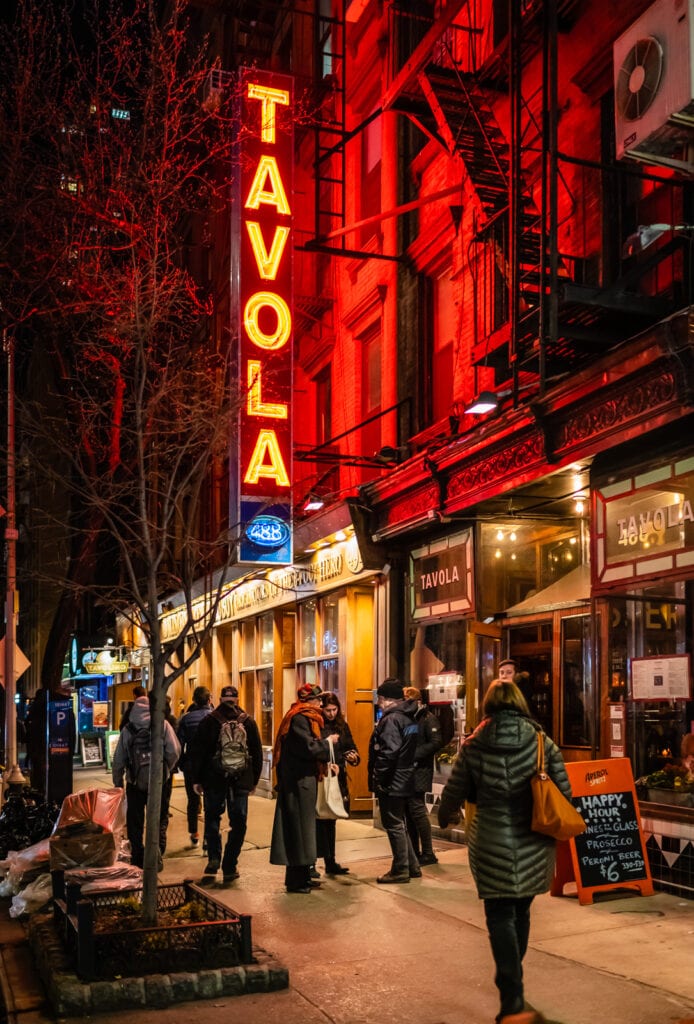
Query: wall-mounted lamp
[(486, 401), (647, 234), (313, 503)]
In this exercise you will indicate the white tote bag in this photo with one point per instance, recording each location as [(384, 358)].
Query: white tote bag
[(329, 802)]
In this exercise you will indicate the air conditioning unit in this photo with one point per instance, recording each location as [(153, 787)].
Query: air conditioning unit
[(654, 84), (216, 83)]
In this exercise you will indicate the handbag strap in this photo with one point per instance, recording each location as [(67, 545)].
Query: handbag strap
[(331, 759), (541, 753)]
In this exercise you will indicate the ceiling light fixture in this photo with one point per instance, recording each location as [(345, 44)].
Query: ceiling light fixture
[(486, 401)]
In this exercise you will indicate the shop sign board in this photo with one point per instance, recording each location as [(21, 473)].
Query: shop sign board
[(441, 577), (611, 853), (644, 524), (263, 300), (665, 678)]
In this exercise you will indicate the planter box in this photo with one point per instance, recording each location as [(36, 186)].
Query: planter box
[(671, 796), (130, 949)]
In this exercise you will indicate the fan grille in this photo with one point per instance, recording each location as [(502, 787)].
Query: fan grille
[(639, 78)]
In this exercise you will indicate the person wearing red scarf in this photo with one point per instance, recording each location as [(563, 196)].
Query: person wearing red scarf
[(300, 759)]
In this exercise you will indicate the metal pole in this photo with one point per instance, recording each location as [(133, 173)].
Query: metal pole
[(11, 770)]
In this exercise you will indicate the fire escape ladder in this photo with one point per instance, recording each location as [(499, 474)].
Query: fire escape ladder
[(329, 126)]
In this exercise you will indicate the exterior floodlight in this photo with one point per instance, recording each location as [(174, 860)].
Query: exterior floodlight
[(647, 234), (486, 401), (313, 503)]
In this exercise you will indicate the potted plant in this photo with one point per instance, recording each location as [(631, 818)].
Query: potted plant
[(445, 758), (672, 784)]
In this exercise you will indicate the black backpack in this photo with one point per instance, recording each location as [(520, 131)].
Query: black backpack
[(140, 757)]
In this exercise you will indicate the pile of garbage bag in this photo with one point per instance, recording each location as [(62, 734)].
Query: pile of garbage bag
[(89, 833), (25, 819)]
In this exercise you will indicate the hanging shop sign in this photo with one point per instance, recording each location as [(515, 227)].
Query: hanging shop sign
[(441, 577), (262, 233), (644, 525)]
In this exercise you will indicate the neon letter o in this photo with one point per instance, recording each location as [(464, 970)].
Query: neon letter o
[(284, 320)]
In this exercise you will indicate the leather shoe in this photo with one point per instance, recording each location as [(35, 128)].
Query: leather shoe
[(314, 873), (390, 879), (428, 858), (336, 869), (415, 873), (300, 888), (314, 884)]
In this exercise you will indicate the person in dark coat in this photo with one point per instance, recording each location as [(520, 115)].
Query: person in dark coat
[(220, 791), (187, 728), (429, 740), (510, 863), (346, 752), (391, 775), (300, 758)]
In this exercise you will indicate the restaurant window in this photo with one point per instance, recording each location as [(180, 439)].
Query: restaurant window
[(576, 689), (520, 558), (319, 628), (256, 672)]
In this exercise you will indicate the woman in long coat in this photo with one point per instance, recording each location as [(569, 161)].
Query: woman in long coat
[(510, 863), (346, 752), (300, 758)]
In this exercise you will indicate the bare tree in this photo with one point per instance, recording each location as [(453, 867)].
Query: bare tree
[(113, 169)]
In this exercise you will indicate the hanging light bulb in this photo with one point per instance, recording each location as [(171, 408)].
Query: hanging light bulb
[(497, 553), (579, 506), (499, 534), (513, 557), (512, 536)]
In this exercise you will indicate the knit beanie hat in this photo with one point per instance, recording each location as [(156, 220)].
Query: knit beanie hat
[(391, 689)]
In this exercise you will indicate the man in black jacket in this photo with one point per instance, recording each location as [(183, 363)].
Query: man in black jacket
[(391, 775), (429, 740), (220, 789)]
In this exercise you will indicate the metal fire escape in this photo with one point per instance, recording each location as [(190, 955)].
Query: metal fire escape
[(552, 317)]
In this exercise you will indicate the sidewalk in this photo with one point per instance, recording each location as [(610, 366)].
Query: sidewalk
[(359, 953)]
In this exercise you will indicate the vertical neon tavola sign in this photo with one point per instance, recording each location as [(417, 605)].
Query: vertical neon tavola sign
[(265, 315)]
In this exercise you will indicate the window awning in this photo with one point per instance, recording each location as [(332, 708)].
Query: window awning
[(574, 588)]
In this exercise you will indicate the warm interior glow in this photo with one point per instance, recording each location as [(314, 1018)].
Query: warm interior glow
[(267, 170), (267, 446), (267, 262), (255, 405), (280, 335)]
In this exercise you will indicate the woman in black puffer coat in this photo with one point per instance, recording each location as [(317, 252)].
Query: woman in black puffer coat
[(510, 863)]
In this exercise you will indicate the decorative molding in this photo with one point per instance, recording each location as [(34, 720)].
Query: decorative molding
[(629, 403), (495, 467), (412, 505)]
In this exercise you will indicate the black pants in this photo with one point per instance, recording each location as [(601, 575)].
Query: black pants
[(393, 818), (325, 839), (217, 798), (418, 824), (297, 876), (193, 804), (136, 803), (508, 924)]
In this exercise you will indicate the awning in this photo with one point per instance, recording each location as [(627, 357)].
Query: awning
[(574, 588)]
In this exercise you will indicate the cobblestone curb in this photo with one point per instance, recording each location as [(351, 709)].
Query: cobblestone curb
[(71, 997)]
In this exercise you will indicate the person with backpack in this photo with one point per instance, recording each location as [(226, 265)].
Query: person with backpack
[(187, 728), (131, 759), (226, 759)]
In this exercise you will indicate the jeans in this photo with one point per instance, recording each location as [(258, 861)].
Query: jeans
[(393, 819), (216, 798), (193, 805), (418, 823), (136, 803), (508, 924)]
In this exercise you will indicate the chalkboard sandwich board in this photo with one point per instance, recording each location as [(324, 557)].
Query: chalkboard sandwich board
[(611, 853)]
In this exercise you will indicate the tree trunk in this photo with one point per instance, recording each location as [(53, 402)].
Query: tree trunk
[(156, 779)]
